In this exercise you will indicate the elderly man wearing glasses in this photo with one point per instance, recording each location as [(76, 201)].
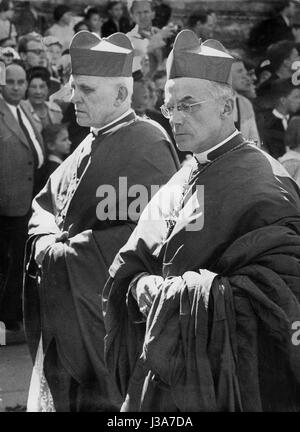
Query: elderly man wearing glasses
[(203, 304)]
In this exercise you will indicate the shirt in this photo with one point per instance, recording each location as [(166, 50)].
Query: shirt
[(54, 158)]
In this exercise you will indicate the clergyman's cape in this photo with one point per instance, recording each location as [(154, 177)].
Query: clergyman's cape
[(238, 352), (66, 306)]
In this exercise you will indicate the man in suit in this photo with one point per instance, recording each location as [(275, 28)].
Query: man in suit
[(274, 122), (21, 156)]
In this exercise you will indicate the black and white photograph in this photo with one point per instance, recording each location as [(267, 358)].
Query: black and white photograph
[(149, 209)]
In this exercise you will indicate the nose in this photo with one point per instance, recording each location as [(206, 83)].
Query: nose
[(74, 97), (177, 118)]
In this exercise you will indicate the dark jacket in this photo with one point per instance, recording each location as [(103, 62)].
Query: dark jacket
[(17, 172), (269, 31), (272, 133)]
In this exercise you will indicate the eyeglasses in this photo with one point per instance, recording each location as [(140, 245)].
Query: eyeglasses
[(183, 107), (38, 52)]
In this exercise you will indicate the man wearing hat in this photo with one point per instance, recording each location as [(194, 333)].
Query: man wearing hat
[(81, 218), (202, 304)]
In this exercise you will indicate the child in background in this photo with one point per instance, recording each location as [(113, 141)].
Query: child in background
[(58, 144)]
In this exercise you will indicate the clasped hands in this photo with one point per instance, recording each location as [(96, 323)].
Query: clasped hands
[(145, 291), (148, 286), (45, 242)]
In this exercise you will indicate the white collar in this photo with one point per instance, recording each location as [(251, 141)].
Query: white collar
[(202, 157), (97, 130), (54, 158), (12, 107), (278, 114), (286, 20), (135, 31)]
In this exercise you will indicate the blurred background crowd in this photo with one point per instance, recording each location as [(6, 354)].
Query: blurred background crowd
[(34, 41), (36, 35)]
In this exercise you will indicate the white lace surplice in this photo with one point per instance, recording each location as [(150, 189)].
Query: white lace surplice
[(39, 397)]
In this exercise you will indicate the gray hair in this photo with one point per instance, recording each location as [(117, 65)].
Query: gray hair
[(117, 82), (219, 91)]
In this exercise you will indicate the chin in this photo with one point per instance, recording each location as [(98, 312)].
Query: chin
[(184, 144), (82, 121)]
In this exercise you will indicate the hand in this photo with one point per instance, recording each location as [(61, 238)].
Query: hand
[(41, 247), (44, 242), (146, 290), (168, 31), (156, 41)]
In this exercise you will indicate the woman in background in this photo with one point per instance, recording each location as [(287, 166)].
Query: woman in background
[(43, 112)]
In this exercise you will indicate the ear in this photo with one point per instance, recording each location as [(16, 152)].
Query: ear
[(121, 96), (23, 55), (282, 100), (50, 146), (287, 63), (228, 108)]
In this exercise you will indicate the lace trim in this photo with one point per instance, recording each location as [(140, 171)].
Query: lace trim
[(39, 397)]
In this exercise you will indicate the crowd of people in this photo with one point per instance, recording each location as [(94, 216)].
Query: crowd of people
[(83, 103)]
